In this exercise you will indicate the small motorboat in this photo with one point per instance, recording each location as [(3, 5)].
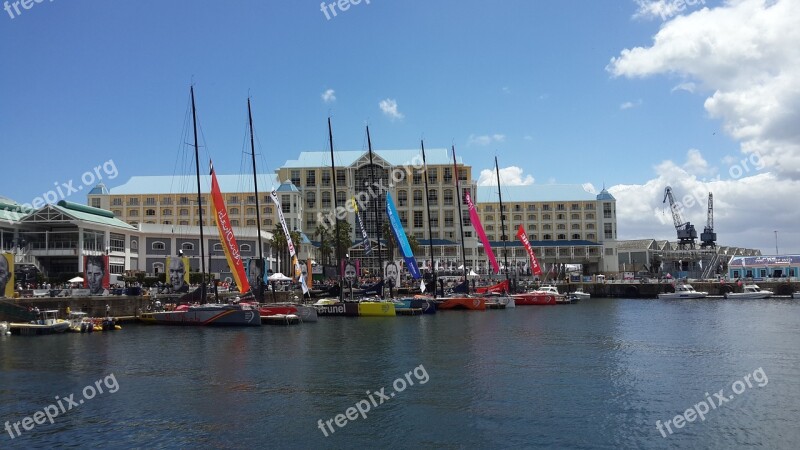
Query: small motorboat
[(579, 295), (683, 291), (48, 324), (751, 291)]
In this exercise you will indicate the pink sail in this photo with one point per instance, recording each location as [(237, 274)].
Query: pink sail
[(476, 223)]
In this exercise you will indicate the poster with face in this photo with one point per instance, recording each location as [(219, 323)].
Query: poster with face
[(7, 275), (95, 274), (350, 269), (255, 271), (391, 273), (178, 273)]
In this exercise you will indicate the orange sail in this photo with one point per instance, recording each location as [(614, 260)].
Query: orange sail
[(226, 235)]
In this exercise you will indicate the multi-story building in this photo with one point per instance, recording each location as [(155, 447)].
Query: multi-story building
[(400, 173), (565, 224)]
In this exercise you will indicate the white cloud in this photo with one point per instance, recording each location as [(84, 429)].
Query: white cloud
[(329, 96), (748, 206), (509, 176), (688, 87), (696, 164), (389, 108), (485, 139), (589, 187), (664, 9), (746, 53), (629, 105)]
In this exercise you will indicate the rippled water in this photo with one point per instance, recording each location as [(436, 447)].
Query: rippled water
[(594, 375)]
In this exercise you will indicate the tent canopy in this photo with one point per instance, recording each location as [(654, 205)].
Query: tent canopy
[(76, 280), (279, 277)]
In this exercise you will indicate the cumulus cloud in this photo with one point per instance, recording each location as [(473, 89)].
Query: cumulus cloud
[(509, 176), (664, 9), (329, 96), (745, 52), (688, 87), (389, 108), (629, 105), (485, 139)]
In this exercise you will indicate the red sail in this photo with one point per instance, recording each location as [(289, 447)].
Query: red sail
[(535, 268)]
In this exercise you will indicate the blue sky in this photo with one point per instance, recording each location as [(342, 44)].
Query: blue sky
[(530, 81)]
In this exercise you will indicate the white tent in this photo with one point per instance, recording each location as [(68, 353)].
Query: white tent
[(278, 277), (76, 280), (472, 274)]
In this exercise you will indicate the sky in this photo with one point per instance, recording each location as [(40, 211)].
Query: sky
[(631, 95)]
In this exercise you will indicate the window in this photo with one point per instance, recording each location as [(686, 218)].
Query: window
[(326, 178), (448, 175), (417, 178), (250, 222), (518, 217), (295, 177), (133, 212), (547, 237), (562, 237), (589, 216), (434, 219), (488, 218), (187, 246), (531, 217), (575, 216), (158, 267), (591, 236), (326, 199), (166, 201), (245, 247), (286, 203), (546, 226), (183, 201), (117, 242), (116, 202), (417, 197), (545, 207), (608, 232), (251, 199), (341, 177), (166, 222), (311, 199), (217, 247), (531, 207), (462, 174), (433, 197), (96, 202), (233, 210), (150, 201), (251, 211), (235, 222), (433, 175), (404, 219), (340, 197), (184, 212), (267, 209), (233, 200), (183, 222), (402, 198), (166, 212), (464, 193), (576, 226), (133, 202), (267, 222), (575, 207), (448, 197), (560, 207), (117, 212), (560, 216), (576, 236), (158, 245), (134, 244), (448, 219), (607, 210), (417, 219), (546, 217), (311, 178), (150, 212), (561, 226), (489, 227), (590, 226)]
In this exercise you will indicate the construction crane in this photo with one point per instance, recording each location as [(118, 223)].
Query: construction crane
[(686, 232), (708, 238)]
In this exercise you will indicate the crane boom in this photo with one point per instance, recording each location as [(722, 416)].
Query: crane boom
[(686, 232), (708, 238)]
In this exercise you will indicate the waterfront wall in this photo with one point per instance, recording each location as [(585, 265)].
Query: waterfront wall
[(651, 290)]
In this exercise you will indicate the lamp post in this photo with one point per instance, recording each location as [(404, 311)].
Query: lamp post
[(776, 243)]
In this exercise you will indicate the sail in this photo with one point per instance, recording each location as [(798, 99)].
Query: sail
[(298, 270), (364, 239), (535, 268), (226, 234), (400, 237), (476, 223)]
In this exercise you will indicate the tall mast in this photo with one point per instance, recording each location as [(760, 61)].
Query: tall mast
[(460, 218), (502, 221), (428, 208), (335, 209), (258, 209), (375, 208), (199, 202)]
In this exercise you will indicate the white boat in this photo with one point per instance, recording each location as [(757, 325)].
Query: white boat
[(750, 291), (579, 295), (49, 324), (683, 291)]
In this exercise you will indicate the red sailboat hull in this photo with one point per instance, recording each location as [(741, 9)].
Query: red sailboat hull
[(534, 298)]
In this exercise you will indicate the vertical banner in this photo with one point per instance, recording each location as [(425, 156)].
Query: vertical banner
[(7, 275), (95, 274), (178, 273), (535, 268), (476, 223), (350, 269), (364, 238), (400, 237), (226, 234), (391, 272), (289, 243)]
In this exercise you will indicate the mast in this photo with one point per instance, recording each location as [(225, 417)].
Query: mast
[(428, 208), (502, 221), (258, 209), (199, 202), (375, 208), (335, 209), (460, 214)]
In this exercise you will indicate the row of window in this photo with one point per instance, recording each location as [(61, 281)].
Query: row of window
[(534, 217), (159, 245), (341, 176)]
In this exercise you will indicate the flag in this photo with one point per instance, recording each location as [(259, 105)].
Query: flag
[(364, 239), (226, 234), (476, 223), (400, 237), (298, 271), (422, 285)]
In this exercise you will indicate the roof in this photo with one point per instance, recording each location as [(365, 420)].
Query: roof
[(433, 156), (287, 186), (92, 218), (535, 193), (187, 184), (100, 189), (637, 244), (604, 195)]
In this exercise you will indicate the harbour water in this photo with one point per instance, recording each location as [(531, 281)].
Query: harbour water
[(598, 374)]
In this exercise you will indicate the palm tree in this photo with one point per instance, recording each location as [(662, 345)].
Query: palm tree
[(388, 238), (325, 243), (279, 243), (413, 243), (344, 238)]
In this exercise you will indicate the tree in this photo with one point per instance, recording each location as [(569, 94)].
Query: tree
[(413, 243), (278, 242), (343, 239), (388, 237), (325, 243)]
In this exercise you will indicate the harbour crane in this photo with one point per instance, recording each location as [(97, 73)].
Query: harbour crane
[(686, 232), (708, 238)]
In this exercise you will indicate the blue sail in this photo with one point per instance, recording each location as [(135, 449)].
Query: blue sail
[(400, 237)]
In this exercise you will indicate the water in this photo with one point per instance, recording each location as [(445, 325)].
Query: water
[(594, 375)]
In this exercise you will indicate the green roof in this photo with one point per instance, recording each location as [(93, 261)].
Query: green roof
[(94, 218)]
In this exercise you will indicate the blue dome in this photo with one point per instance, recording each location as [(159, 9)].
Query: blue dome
[(604, 195), (100, 189)]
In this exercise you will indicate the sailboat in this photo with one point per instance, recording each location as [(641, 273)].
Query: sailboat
[(305, 313), (456, 301), (205, 314), (502, 299)]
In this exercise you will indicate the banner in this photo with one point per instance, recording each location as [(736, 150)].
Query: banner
[(297, 270), (95, 274), (535, 268), (391, 273), (364, 238), (400, 237), (178, 273), (350, 269), (476, 223), (226, 234), (7, 275)]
